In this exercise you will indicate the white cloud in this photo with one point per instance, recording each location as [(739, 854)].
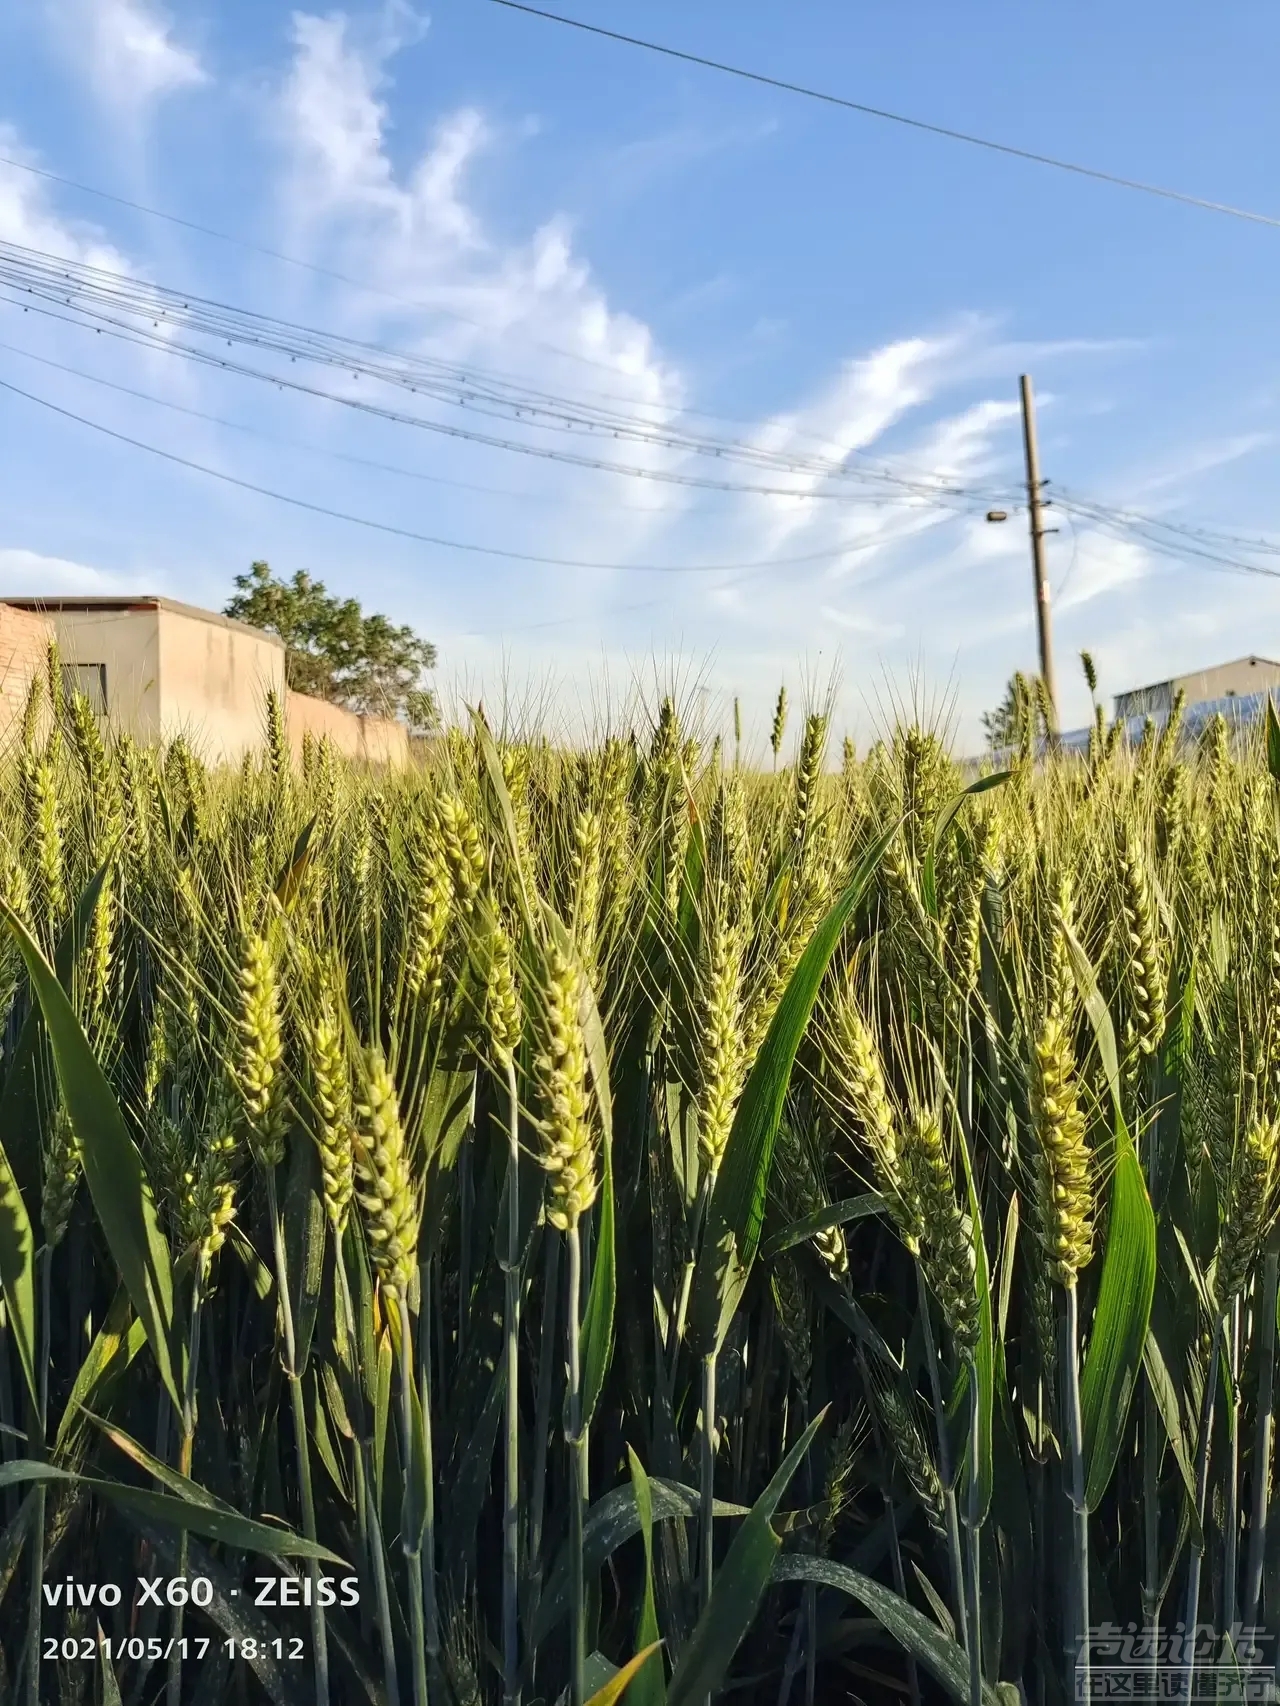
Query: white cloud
[(1200, 459), (638, 166), (126, 50), (867, 396), (27, 219), (961, 446), (419, 235), (452, 286), (1100, 565), (334, 121), (883, 528), (31, 574), (866, 626)]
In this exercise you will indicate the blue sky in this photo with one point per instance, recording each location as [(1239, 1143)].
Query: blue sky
[(709, 257)]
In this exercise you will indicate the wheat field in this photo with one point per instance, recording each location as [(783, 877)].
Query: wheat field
[(564, 1224)]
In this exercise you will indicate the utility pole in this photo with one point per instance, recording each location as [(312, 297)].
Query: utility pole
[(1038, 530)]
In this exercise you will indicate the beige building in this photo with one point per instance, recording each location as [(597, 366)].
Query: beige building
[(158, 669), (1223, 681)]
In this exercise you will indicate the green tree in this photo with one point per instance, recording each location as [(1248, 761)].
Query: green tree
[(334, 651)]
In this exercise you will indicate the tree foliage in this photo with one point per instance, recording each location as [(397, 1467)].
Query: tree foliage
[(334, 651)]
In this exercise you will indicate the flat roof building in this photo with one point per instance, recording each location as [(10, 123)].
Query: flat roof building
[(158, 668)]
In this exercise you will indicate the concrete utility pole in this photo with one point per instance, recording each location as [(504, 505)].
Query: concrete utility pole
[(1038, 530)]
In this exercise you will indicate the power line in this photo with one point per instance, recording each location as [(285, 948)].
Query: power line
[(140, 338), (248, 244), (409, 533), (554, 622), (1071, 566), (1119, 523), (322, 450), (351, 280), (735, 580), (1125, 527), (98, 296), (1201, 535), (89, 290), (1150, 531), (943, 130), (283, 382)]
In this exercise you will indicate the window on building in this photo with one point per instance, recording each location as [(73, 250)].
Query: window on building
[(89, 679)]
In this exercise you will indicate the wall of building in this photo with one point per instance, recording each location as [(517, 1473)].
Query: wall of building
[(384, 742), (1245, 675), (368, 740), (214, 677), (127, 643), (174, 670), (1153, 701), (24, 640), (1225, 680)]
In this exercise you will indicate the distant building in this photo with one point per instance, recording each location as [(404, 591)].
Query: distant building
[(1236, 680), (157, 669)]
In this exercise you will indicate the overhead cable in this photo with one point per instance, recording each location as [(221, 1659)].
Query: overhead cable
[(409, 533), (98, 296), (932, 129), (966, 498)]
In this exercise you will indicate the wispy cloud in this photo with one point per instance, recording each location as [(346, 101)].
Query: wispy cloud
[(1189, 464), (635, 167), (27, 216), (1100, 565), (128, 50), (418, 233), (526, 303)]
